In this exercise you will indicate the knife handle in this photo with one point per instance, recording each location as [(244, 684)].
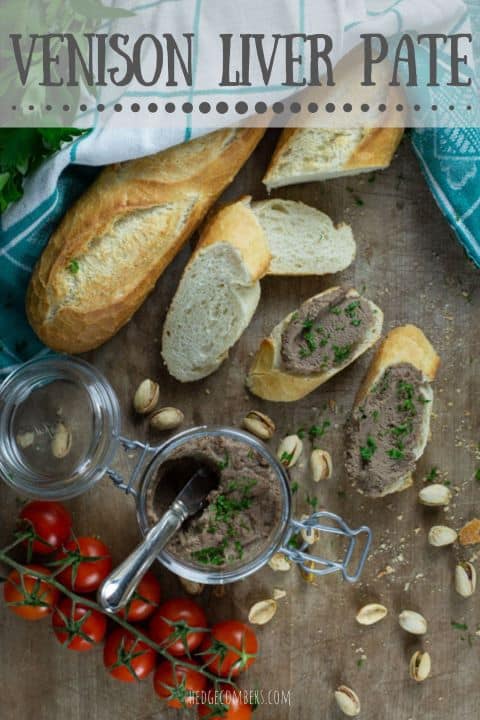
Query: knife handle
[(117, 589)]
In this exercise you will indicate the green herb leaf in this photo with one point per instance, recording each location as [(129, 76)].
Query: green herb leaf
[(368, 450), (73, 266)]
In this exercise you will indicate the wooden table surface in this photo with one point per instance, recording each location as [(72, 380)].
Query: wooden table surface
[(409, 263)]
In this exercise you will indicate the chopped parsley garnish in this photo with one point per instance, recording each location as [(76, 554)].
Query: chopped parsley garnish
[(286, 458), (301, 433), (214, 555), (239, 549), (312, 501), (318, 431), (335, 310), (295, 542), (459, 626), (396, 453), (402, 429), (294, 487), (368, 450), (308, 325), (341, 353), (477, 475), (310, 340), (73, 266), (432, 475), (224, 463), (351, 313), (375, 415)]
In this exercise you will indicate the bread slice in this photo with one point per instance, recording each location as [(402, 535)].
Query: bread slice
[(115, 241), (217, 295), (303, 240), (269, 380), (405, 344), (315, 154)]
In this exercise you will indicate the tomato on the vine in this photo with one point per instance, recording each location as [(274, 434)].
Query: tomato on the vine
[(172, 624), (78, 626), (126, 658), (230, 648), (180, 686), (144, 601), (90, 564), (225, 704), (28, 596), (50, 522)]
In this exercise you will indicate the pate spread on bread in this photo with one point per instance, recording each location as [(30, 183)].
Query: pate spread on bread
[(325, 335), (388, 428)]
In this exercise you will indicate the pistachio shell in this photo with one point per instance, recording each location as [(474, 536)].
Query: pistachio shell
[(278, 593), (348, 701), (435, 495), (412, 622), (441, 535), (262, 612), (280, 563), (167, 418), (465, 579), (320, 465), (26, 439), (191, 587), (420, 666), (259, 424), (61, 441), (146, 397), (371, 614), (290, 450)]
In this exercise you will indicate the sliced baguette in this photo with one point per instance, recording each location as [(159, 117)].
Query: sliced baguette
[(315, 154), (217, 295), (267, 378), (303, 240), (404, 344), (113, 244)]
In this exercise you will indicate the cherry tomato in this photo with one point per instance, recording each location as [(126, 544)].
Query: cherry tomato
[(78, 626), (226, 704), (179, 686), (126, 658), (171, 623), (145, 599), (91, 563), (32, 599), (221, 659), (51, 523)]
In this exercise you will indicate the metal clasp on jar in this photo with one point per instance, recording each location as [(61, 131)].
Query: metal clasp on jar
[(317, 565), (145, 453)]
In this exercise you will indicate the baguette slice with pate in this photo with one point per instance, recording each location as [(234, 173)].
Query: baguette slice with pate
[(311, 345), (315, 154), (389, 426), (218, 293)]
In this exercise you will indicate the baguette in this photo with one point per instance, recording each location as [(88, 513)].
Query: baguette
[(113, 244), (272, 377), (397, 396), (303, 240), (316, 154), (218, 293)]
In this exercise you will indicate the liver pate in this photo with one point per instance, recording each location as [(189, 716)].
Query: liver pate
[(384, 433), (240, 515), (324, 332)]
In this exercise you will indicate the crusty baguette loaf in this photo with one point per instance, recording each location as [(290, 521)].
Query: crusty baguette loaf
[(405, 344), (113, 244), (217, 295), (315, 154), (303, 240), (269, 380)]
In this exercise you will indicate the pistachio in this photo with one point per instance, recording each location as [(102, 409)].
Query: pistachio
[(420, 666), (320, 465), (371, 614), (146, 397), (262, 612), (192, 588), (290, 450), (279, 562), (412, 622), (167, 418), (61, 441), (435, 495), (259, 424), (347, 701), (465, 579), (278, 593), (26, 439), (441, 535), (309, 535)]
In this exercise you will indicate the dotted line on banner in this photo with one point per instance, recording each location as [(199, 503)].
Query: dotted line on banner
[(241, 108)]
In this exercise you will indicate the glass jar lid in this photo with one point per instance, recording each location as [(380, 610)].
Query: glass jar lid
[(59, 427)]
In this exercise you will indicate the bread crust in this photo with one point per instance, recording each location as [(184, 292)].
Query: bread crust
[(376, 150), (403, 344), (190, 177), (267, 380), (237, 225)]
